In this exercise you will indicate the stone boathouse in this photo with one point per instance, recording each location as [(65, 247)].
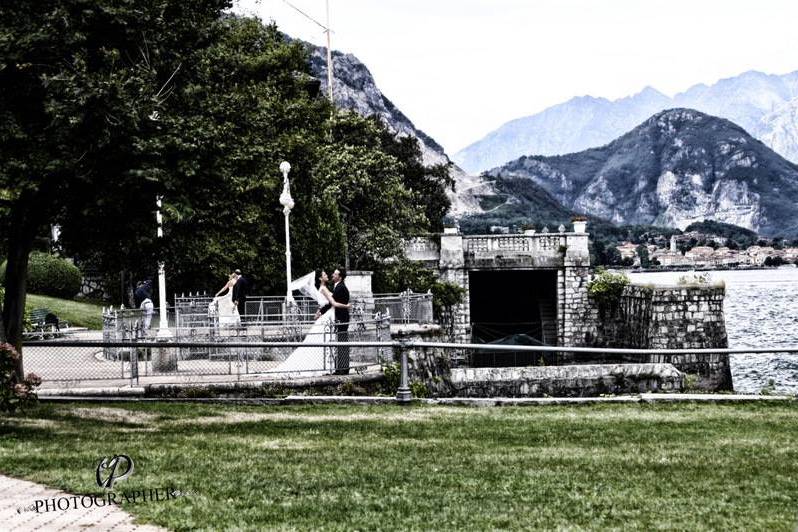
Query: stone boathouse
[(537, 279), (535, 285)]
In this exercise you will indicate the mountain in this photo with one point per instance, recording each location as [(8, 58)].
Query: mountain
[(678, 167), (779, 130), (754, 100), (354, 88), (575, 125)]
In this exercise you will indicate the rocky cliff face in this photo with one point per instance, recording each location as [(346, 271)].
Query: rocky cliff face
[(354, 88), (753, 100), (678, 167)]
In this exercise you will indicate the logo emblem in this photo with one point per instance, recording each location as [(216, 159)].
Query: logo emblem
[(113, 466)]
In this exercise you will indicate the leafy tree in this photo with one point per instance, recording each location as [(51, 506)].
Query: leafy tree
[(81, 82), (112, 104), (383, 189), (642, 252)]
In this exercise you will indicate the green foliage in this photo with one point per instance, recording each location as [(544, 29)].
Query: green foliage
[(53, 276), (419, 389), (402, 274), (176, 99), (642, 252), (741, 237), (445, 296), (15, 393), (606, 287), (774, 261), (392, 374)]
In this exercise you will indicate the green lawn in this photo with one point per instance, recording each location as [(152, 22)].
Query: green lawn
[(641, 467), (76, 313)]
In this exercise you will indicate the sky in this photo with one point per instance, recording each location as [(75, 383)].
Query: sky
[(461, 68)]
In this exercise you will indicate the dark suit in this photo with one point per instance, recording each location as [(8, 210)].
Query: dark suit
[(240, 292), (340, 295)]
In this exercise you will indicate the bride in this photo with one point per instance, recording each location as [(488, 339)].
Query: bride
[(222, 304), (306, 359)]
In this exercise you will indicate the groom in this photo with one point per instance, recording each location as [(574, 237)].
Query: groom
[(341, 295)]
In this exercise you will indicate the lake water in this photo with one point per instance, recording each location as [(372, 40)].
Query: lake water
[(761, 309)]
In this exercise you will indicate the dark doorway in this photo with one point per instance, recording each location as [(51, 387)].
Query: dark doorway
[(516, 307)]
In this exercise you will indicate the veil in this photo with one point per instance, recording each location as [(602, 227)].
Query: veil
[(307, 285)]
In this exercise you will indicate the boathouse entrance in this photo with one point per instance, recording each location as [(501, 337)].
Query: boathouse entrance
[(513, 306)]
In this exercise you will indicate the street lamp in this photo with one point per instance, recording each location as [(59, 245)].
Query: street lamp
[(163, 325), (288, 203)]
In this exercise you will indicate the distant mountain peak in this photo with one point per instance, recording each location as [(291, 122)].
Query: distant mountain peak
[(586, 121), (677, 167)]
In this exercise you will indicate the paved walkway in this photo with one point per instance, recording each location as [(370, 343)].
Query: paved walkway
[(15, 493)]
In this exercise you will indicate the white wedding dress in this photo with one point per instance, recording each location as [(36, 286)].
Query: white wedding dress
[(223, 308), (307, 361)]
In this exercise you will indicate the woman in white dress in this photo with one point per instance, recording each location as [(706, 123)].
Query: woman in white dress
[(222, 304), (308, 360)]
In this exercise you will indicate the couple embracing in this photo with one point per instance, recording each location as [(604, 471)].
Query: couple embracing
[(335, 307)]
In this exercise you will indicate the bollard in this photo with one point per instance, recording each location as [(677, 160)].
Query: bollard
[(403, 395)]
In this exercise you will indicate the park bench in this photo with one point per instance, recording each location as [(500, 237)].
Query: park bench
[(45, 323)]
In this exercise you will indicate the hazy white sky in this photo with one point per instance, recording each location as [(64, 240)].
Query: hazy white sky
[(460, 68)]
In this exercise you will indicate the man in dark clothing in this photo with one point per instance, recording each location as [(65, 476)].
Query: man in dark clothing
[(143, 291), (240, 293), (341, 295)]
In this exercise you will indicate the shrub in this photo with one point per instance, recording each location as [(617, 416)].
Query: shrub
[(606, 287), (419, 389), (51, 276), (392, 376), (15, 393), (445, 296)]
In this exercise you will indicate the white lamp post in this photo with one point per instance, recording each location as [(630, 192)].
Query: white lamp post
[(163, 325), (288, 203)]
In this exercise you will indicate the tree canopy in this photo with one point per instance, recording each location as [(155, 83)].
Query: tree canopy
[(108, 104)]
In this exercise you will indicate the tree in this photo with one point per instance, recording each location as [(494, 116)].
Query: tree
[(81, 81), (111, 105), (383, 190), (642, 252)]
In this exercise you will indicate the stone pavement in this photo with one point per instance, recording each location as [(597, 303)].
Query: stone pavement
[(15, 493)]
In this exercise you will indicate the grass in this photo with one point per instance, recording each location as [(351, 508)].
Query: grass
[(638, 467), (76, 313)]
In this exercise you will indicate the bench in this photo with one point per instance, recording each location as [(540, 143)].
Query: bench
[(45, 323)]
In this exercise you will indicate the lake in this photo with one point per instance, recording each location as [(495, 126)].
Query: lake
[(761, 311)]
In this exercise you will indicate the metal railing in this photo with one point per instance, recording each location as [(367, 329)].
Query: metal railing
[(403, 307), (81, 363), (237, 353)]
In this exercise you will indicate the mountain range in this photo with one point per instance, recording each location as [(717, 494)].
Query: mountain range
[(672, 168), (677, 167), (764, 105)]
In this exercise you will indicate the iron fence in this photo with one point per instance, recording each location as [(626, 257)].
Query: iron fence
[(82, 364), (193, 353), (403, 307)]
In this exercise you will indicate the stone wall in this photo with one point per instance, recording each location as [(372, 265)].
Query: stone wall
[(572, 301), (586, 380), (438, 370), (652, 317)]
